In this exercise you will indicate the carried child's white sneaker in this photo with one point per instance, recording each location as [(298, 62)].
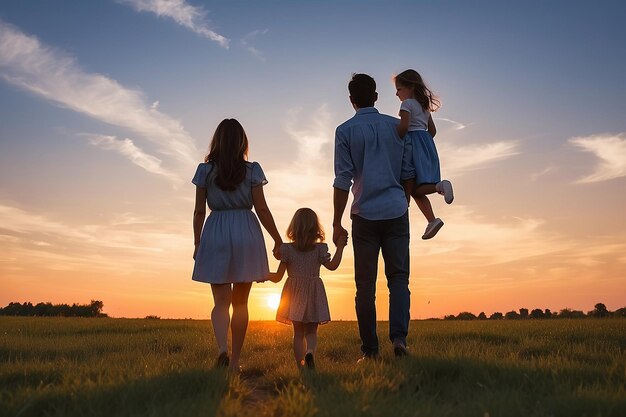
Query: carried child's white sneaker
[(445, 188), (432, 228)]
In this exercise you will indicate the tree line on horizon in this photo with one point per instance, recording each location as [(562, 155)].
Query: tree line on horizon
[(93, 309), (599, 311)]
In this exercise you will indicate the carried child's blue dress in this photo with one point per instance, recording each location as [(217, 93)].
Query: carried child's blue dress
[(424, 151), (232, 248), (304, 297)]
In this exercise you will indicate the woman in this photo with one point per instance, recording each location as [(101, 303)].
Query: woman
[(230, 251)]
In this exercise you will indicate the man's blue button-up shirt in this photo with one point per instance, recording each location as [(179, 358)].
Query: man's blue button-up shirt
[(371, 158)]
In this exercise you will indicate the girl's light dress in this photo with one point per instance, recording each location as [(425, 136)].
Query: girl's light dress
[(425, 157), (304, 297), (424, 151), (232, 248)]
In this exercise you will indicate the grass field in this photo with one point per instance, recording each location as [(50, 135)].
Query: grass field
[(120, 367)]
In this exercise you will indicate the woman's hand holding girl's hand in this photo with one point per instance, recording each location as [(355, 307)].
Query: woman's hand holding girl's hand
[(276, 250), (342, 239), (274, 277)]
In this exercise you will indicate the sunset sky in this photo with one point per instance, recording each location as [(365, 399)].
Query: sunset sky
[(107, 107)]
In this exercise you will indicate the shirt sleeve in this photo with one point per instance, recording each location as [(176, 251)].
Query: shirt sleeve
[(200, 177), (344, 167), (404, 106), (324, 255), (258, 176)]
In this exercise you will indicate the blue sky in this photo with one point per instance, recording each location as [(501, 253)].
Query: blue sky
[(106, 107)]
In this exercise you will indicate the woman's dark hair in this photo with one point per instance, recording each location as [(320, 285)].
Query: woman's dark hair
[(305, 229), (412, 79), (229, 151), (362, 89)]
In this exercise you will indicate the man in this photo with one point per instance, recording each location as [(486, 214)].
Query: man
[(371, 158)]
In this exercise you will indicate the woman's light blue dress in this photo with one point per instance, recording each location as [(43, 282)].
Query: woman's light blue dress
[(231, 248)]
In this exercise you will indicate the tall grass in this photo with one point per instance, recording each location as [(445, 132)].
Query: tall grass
[(118, 367)]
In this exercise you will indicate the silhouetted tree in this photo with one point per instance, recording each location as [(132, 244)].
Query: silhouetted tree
[(482, 316), (599, 311), (547, 314), (620, 312), (511, 315), (496, 316), (523, 313), (94, 309), (536, 314), (466, 315), (568, 313)]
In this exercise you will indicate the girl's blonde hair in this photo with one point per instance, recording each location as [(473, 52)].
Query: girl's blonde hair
[(413, 80), (305, 229)]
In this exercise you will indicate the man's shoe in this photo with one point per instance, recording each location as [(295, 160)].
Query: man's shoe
[(445, 188), (432, 228), (367, 357), (309, 362), (399, 348)]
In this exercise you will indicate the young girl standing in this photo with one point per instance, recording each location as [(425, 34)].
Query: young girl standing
[(229, 250), (303, 302), (417, 103)]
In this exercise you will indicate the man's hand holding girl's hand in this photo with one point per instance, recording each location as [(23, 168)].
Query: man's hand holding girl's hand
[(342, 238)]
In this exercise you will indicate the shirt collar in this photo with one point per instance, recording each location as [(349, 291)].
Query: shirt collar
[(367, 110)]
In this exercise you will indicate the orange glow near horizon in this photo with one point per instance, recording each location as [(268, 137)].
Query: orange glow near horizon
[(494, 254), (273, 300)]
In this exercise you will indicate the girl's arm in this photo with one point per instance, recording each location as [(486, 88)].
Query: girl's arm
[(341, 243), (431, 127), (265, 216), (199, 213), (403, 127), (278, 275)]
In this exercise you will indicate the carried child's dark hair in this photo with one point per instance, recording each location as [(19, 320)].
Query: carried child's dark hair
[(305, 229), (412, 79), (362, 89), (229, 151)]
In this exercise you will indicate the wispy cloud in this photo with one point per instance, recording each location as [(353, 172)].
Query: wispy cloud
[(55, 76), (129, 239), (306, 181), (184, 14), (127, 148), (610, 149), (312, 138), (536, 175), (468, 233), (246, 42), (459, 159), (455, 125)]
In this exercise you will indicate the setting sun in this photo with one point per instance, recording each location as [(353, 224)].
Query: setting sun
[(273, 300)]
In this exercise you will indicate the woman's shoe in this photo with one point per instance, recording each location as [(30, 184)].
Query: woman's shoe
[(222, 360)]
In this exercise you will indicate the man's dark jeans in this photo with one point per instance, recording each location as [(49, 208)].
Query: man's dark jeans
[(368, 238)]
